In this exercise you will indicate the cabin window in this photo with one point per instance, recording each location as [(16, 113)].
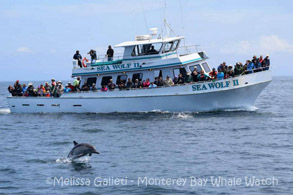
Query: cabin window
[(135, 51), (158, 73), (206, 67), (105, 80), (91, 80), (197, 66), (137, 76), (168, 46), (146, 49), (178, 71), (175, 45), (121, 78)]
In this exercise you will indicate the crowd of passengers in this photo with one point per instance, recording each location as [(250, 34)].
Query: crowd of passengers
[(56, 89)]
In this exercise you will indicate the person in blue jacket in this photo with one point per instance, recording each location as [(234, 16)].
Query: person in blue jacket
[(250, 67)]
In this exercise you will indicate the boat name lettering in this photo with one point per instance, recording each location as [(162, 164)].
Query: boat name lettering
[(117, 67), (214, 85)]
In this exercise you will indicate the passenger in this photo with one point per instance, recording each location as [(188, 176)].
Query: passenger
[(213, 74), (152, 85), (238, 69), (24, 88), (180, 79), (94, 88), (230, 71), (78, 57), (250, 67), (136, 84), (104, 88), (35, 92), (70, 86), (11, 90), (260, 59), (76, 84), (175, 80), (188, 78), (17, 88), (41, 90), (168, 82), (160, 82), (266, 63), (220, 75), (30, 89), (53, 84), (93, 55), (110, 53), (111, 85), (48, 94), (222, 67), (59, 89), (47, 86), (121, 85), (85, 87), (152, 50), (67, 89), (129, 84), (202, 76), (194, 75), (254, 60), (146, 83)]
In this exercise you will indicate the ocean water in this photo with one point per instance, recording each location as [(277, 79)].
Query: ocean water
[(227, 152)]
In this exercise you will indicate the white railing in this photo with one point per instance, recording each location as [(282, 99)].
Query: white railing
[(188, 49)]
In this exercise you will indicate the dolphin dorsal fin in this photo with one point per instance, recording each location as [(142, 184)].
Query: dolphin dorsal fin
[(75, 143)]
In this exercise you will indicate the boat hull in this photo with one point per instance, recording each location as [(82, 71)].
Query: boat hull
[(237, 92)]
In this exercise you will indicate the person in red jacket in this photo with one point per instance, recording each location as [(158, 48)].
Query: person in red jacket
[(146, 83), (213, 74)]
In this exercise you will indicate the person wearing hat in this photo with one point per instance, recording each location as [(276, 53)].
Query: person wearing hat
[(30, 89), (266, 63), (78, 57), (93, 55), (94, 88), (188, 78)]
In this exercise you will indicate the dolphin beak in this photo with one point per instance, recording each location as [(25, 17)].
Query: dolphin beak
[(96, 152)]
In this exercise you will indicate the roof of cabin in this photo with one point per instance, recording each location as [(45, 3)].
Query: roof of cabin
[(163, 40)]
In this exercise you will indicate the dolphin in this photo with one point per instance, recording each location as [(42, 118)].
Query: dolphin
[(80, 150)]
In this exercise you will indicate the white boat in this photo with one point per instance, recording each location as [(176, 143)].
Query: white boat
[(138, 63)]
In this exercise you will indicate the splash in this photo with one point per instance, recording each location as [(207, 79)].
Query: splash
[(249, 109), (64, 160), (4, 110), (182, 115)]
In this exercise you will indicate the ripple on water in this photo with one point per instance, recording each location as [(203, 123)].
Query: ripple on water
[(92, 130)]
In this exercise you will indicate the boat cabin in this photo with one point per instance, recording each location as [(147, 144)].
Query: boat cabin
[(146, 57)]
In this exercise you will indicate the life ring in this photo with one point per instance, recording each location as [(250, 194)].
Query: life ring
[(84, 64)]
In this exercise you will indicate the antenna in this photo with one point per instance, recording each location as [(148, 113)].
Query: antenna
[(144, 16), (182, 23), (166, 25)]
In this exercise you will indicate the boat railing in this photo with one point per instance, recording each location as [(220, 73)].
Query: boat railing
[(188, 49), (104, 58), (100, 59)]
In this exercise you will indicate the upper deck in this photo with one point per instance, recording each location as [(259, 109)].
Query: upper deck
[(143, 53)]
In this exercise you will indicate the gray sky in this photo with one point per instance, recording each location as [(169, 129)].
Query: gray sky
[(39, 38)]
